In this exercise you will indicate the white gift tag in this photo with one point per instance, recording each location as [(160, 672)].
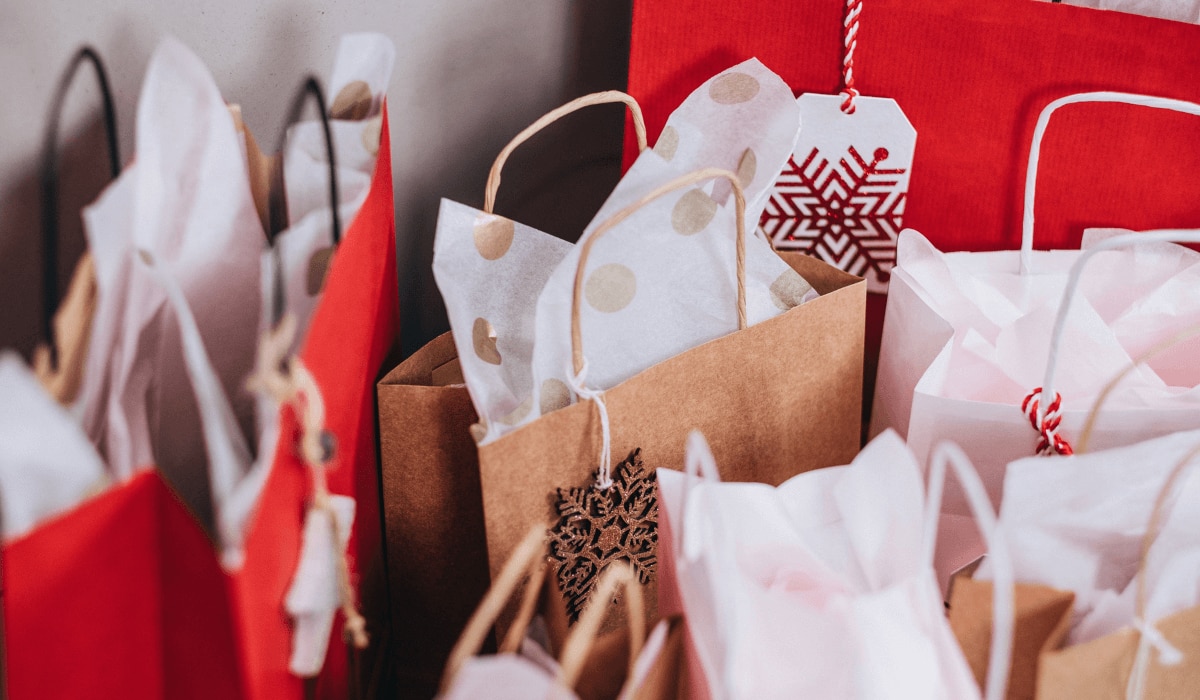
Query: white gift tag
[(841, 196)]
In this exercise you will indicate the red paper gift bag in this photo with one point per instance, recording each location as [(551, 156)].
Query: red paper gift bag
[(350, 333), (124, 596), (971, 77)]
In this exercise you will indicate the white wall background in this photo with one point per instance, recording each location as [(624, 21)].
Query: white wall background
[(469, 75)]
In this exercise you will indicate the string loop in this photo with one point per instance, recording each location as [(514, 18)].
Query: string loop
[(579, 385), (850, 43)]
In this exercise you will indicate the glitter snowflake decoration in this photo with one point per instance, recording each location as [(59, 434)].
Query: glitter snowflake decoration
[(596, 528), (847, 213)]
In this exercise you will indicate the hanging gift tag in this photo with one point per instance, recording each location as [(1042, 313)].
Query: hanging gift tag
[(841, 197)]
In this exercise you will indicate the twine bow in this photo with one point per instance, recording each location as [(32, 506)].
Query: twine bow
[(1051, 442)]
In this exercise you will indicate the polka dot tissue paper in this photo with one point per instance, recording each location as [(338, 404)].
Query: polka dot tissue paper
[(660, 282)]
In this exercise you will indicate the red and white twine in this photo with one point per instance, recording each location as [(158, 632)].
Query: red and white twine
[(850, 39), (1050, 442)]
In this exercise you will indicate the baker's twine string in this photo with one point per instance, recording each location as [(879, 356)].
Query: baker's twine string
[(579, 385), (1051, 442), (850, 39), (288, 382), (1149, 636)]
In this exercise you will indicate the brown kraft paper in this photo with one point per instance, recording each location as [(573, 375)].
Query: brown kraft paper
[(779, 398), (437, 554), (1043, 616)]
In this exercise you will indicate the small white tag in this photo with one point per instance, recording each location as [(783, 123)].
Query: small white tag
[(841, 196), (314, 596)]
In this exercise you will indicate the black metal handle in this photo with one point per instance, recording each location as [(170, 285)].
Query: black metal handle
[(49, 177), (311, 88)]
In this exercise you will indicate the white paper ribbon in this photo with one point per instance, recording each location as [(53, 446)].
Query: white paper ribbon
[(578, 384)]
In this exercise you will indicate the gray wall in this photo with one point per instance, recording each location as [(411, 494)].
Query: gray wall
[(469, 75)]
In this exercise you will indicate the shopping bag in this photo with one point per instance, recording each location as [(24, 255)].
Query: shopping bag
[(437, 552), (966, 335), (221, 615), (147, 567), (113, 620), (505, 285), (738, 388), (554, 667), (351, 330), (823, 586), (668, 287), (938, 59), (1041, 617), (1112, 561)]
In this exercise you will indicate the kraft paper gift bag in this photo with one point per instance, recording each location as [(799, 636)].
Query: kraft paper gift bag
[(436, 550), (528, 668), (1041, 616), (494, 274), (437, 554), (649, 283), (823, 586), (1003, 351), (1106, 556), (778, 397)]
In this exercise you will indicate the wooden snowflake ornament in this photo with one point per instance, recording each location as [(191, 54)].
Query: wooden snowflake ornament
[(598, 527)]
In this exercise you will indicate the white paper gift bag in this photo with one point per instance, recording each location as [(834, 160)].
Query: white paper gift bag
[(972, 343), (824, 586)]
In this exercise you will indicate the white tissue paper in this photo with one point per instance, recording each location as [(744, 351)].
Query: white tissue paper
[(817, 588), (47, 463), (1077, 523)]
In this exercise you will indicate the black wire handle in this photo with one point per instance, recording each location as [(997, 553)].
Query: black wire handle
[(310, 88), (49, 177)]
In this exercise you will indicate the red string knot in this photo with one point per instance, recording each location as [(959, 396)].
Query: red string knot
[(1050, 441)]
